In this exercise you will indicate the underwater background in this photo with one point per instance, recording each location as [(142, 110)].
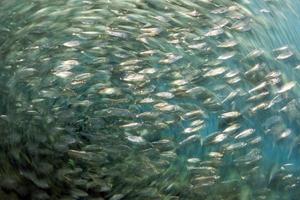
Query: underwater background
[(150, 99)]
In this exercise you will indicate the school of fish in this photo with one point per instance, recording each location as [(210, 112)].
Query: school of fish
[(150, 99)]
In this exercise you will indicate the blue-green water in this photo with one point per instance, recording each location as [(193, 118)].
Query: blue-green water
[(149, 99)]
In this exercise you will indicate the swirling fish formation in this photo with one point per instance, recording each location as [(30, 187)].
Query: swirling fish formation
[(149, 99)]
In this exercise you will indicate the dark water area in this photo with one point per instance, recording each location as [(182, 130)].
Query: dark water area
[(150, 99)]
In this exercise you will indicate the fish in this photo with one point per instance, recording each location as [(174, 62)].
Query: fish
[(258, 87), (73, 43), (165, 95), (228, 44), (244, 133), (232, 114), (288, 86), (227, 55), (171, 58), (215, 72), (214, 32)]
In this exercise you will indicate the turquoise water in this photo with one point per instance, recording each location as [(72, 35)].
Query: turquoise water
[(141, 99)]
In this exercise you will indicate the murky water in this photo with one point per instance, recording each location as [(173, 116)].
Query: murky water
[(149, 99)]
